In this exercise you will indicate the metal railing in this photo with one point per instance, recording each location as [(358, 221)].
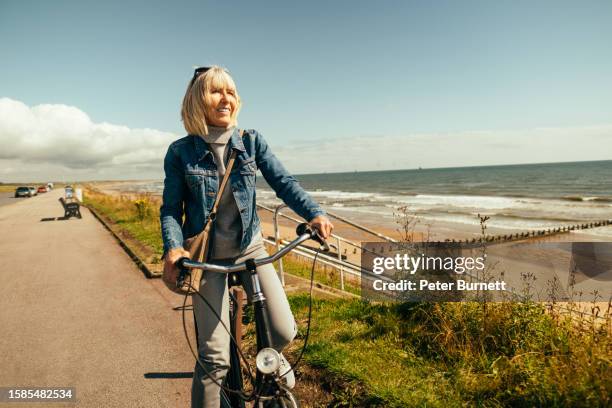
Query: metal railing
[(336, 261)]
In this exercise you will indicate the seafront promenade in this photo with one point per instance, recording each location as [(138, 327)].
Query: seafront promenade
[(76, 312)]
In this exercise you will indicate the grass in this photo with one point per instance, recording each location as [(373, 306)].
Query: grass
[(6, 188), (455, 354), (136, 217), (327, 276)]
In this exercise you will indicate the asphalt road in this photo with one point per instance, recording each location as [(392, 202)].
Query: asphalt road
[(76, 312), (9, 198)]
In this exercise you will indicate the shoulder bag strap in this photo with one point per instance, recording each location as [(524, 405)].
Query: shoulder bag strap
[(228, 170)]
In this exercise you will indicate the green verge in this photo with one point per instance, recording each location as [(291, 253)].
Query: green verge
[(6, 188), (455, 354), (137, 217), (329, 276)]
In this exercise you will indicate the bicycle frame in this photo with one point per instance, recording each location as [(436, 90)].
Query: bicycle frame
[(267, 385)]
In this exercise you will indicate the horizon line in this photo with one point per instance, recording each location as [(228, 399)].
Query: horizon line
[(324, 173), (451, 167)]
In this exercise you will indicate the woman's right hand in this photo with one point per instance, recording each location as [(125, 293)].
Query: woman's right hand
[(171, 271)]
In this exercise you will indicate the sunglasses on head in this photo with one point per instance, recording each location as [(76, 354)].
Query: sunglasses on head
[(200, 70)]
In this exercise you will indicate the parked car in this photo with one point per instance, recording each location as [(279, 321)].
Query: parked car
[(22, 191), (42, 189), (33, 191)]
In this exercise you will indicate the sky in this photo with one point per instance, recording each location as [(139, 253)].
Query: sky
[(92, 90)]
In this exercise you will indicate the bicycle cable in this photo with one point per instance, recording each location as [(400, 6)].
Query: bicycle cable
[(240, 393), (297, 361)]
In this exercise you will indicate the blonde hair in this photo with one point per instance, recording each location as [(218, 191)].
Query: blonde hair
[(197, 99)]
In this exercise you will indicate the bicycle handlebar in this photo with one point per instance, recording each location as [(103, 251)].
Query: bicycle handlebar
[(303, 231)]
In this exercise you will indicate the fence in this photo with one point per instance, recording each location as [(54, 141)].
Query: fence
[(339, 244), (342, 246)]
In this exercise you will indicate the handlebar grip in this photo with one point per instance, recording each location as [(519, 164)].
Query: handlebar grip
[(304, 228), (183, 271)]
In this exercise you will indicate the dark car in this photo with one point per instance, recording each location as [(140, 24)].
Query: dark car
[(22, 192)]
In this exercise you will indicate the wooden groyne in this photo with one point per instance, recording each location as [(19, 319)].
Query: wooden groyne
[(519, 236)]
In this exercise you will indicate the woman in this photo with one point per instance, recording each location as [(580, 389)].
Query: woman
[(194, 167)]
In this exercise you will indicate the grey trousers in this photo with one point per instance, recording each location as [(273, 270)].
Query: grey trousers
[(214, 340)]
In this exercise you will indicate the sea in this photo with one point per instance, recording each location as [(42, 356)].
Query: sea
[(515, 197)]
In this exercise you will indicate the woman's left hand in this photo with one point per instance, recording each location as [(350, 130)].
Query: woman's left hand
[(323, 225)]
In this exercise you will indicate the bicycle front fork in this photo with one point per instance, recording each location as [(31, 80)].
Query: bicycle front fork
[(262, 323), (266, 385)]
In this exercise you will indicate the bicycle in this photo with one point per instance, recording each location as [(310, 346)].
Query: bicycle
[(268, 389)]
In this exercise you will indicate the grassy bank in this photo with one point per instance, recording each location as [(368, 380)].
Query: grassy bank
[(456, 354), (327, 276), (135, 218), (6, 188)]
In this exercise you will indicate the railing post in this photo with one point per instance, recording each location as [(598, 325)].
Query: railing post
[(340, 261), (281, 272)]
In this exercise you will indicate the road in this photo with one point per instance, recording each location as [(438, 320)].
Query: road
[(76, 312), (9, 198)]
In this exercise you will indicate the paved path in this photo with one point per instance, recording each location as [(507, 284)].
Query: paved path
[(76, 312), (9, 198)]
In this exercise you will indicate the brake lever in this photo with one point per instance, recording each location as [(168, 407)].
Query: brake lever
[(317, 237)]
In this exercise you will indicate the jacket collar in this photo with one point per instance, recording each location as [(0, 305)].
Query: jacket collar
[(236, 141), (202, 149)]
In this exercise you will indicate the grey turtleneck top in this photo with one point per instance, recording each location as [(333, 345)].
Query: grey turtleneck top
[(228, 225)]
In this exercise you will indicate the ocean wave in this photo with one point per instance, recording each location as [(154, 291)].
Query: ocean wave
[(465, 200), (505, 212), (588, 199), (502, 222), (468, 201), (342, 195)]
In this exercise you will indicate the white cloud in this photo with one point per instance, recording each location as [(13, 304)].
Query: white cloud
[(59, 142), (475, 148)]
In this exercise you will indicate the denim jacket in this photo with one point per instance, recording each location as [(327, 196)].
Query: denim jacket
[(192, 181)]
